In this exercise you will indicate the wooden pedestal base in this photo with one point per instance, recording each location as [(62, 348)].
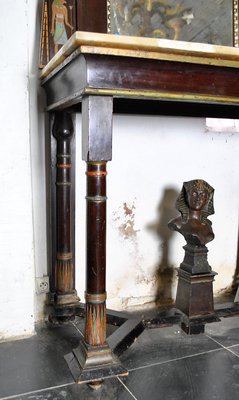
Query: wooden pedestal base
[(195, 300), (94, 363), (63, 308)]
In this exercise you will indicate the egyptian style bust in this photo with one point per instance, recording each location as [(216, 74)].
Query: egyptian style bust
[(195, 204), (195, 276)]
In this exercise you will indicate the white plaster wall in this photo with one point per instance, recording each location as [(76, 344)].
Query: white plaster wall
[(152, 155), (16, 224), (37, 133)]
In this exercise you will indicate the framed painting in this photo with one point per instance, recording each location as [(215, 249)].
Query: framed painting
[(57, 25), (203, 21), (61, 18), (200, 21)]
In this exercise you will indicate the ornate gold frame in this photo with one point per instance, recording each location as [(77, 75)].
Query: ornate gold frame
[(108, 15), (235, 21)]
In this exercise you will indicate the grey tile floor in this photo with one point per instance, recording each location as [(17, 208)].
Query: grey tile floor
[(163, 363)]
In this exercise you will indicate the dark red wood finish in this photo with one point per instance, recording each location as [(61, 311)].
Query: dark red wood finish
[(63, 270), (95, 323), (91, 15), (154, 75), (96, 227), (97, 150), (139, 75)]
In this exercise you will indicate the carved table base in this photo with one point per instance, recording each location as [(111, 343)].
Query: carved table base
[(94, 363)]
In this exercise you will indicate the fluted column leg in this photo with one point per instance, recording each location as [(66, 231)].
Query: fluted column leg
[(93, 360)]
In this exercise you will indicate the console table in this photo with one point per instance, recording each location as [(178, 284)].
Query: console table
[(94, 71)]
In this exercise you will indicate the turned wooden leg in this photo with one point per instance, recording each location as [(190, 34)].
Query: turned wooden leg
[(63, 272), (93, 360), (95, 296)]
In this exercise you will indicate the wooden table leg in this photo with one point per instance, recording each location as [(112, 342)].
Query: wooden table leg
[(93, 360), (95, 295), (65, 297)]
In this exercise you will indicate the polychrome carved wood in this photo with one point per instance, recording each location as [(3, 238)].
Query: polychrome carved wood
[(162, 19), (193, 21), (95, 323), (184, 20), (61, 18), (57, 26)]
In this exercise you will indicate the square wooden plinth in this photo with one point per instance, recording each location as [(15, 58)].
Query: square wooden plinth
[(195, 300)]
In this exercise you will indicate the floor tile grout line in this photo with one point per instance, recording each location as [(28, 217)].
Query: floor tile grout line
[(224, 347), (78, 330), (173, 359), (14, 396), (215, 341), (126, 388), (233, 345), (231, 351)]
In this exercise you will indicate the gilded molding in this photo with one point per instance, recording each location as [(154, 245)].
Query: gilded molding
[(96, 162), (96, 198), (108, 16), (64, 155), (44, 36), (140, 94), (63, 165), (96, 173), (235, 23), (96, 297), (64, 256)]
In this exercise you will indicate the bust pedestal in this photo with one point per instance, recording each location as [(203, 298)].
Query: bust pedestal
[(195, 290)]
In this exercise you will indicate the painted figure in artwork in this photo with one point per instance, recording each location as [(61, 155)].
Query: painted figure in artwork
[(195, 203), (59, 23), (153, 18)]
